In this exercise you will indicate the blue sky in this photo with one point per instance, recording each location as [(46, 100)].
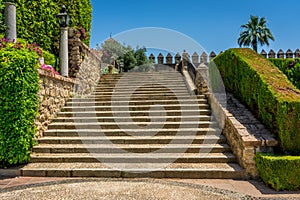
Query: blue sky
[(215, 25)]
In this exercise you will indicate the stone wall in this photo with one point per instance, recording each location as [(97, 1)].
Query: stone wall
[(245, 134), (54, 92), (84, 66)]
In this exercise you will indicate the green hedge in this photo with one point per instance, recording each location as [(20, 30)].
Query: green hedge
[(37, 22), (267, 92), (280, 172), (290, 67), (19, 84)]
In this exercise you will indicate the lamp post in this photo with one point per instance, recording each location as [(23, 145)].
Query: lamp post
[(63, 20)]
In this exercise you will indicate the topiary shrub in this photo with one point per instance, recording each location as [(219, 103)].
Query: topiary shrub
[(279, 172), (19, 84), (37, 22), (266, 91)]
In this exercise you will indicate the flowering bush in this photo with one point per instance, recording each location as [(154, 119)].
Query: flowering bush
[(5, 43), (49, 68)]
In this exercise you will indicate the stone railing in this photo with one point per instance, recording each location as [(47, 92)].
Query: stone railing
[(54, 92), (84, 67), (245, 134)]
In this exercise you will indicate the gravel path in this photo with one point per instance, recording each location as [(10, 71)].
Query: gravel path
[(118, 189)]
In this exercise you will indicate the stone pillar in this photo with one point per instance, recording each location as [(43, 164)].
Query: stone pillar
[(169, 59), (203, 58), (289, 54), (152, 57), (10, 21), (263, 53), (271, 54), (185, 58), (160, 59), (195, 58), (63, 52), (212, 55), (297, 53), (177, 58), (280, 54)]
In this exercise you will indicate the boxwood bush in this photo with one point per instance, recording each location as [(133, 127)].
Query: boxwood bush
[(280, 172), (19, 84), (266, 91), (290, 67)]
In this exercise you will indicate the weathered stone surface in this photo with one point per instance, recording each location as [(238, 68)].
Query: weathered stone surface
[(245, 134)]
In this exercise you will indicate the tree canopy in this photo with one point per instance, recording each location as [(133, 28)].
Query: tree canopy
[(255, 31)]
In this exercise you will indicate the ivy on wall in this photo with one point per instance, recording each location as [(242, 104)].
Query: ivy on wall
[(37, 22), (19, 84)]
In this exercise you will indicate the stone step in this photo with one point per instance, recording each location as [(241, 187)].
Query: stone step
[(138, 98), (124, 132), (135, 158), (141, 92), (148, 170), (135, 119), (89, 102), (178, 139), (136, 113), (139, 95), (137, 148), (126, 124), (145, 86), (161, 81), (117, 106)]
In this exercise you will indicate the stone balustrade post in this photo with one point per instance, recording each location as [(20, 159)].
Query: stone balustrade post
[(10, 21)]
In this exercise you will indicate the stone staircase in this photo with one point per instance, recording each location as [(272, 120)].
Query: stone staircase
[(135, 125)]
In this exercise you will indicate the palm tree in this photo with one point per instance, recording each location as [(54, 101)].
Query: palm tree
[(255, 31)]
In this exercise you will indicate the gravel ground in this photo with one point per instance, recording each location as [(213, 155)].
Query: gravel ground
[(118, 189)]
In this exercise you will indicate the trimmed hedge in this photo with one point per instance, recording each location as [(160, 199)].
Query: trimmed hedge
[(19, 84), (280, 172), (266, 91), (37, 22), (290, 67)]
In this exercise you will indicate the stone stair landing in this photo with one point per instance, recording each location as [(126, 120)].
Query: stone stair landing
[(135, 125)]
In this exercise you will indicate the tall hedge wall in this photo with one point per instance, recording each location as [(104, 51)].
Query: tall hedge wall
[(37, 22), (19, 84), (266, 91), (290, 67)]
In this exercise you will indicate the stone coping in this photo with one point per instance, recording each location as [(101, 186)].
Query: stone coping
[(258, 138), (47, 73)]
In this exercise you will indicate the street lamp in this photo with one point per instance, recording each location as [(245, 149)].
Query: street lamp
[(63, 17), (63, 20)]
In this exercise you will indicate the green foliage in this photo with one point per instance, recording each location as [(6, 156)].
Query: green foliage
[(37, 22), (266, 91), (2, 25), (290, 67), (113, 50), (255, 31), (280, 172), (19, 84)]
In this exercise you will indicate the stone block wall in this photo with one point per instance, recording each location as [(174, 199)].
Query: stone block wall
[(54, 92), (84, 66), (245, 134)]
